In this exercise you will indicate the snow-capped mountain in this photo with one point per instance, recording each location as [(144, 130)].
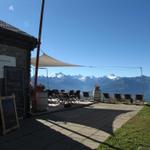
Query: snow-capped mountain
[(112, 77), (110, 83), (56, 75)]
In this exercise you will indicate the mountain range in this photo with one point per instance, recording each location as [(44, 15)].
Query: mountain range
[(110, 83)]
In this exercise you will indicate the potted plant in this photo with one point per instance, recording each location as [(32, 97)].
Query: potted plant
[(40, 88)]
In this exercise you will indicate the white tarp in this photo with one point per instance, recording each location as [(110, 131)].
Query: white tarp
[(48, 61), (6, 61)]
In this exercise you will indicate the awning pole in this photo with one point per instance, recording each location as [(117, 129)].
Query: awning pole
[(37, 56)]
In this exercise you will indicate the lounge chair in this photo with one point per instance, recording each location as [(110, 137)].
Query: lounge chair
[(128, 98), (86, 95), (62, 91), (64, 98), (106, 97), (55, 95), (118, 97), (72, 96), (77, 95), (139, 99)]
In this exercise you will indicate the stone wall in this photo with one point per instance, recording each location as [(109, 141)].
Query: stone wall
[(23, 61)]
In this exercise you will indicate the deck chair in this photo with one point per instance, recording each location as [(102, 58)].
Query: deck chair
[(62, 91), (49, 93), (55, 95), (86, 95), (118, 97), (106, 97), (72, 96), (64, 98), (77, 95), (139, 99), (128, 98)]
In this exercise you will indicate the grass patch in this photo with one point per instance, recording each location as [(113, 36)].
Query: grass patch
[(134, 135)]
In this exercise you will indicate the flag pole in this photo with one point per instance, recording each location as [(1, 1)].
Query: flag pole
[(37, 56)]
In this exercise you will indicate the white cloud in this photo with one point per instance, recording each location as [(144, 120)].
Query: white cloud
[(11, 8)]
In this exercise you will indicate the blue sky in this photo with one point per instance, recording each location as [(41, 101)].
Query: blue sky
[(88, 32)]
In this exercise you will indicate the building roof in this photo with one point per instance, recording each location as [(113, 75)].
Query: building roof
[(7, 26), (10, 33)]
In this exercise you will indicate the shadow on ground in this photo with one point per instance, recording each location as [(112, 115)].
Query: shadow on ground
[(35, 135), (101, 119)]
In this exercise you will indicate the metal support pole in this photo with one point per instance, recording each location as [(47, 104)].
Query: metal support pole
[(141, 70), (37, 56), (142, 85), (47, 79)]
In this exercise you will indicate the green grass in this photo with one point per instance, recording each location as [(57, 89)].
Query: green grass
[(134, 135)]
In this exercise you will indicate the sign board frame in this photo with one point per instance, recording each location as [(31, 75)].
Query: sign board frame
[(5, 130), (8, 71)]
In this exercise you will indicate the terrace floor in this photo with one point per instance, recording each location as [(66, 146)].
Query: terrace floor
[(76, 129)]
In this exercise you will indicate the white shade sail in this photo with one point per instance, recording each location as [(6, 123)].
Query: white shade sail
[(48, 61)]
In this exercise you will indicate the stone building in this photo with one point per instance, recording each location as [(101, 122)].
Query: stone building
[(15, 56)]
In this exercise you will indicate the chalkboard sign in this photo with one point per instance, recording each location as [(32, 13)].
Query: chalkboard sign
[(14, 84), (8, 113)]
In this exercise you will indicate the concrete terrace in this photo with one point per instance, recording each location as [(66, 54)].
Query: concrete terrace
[(76, 129)]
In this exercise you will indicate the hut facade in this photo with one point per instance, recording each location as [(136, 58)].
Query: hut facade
[(15, 57)]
